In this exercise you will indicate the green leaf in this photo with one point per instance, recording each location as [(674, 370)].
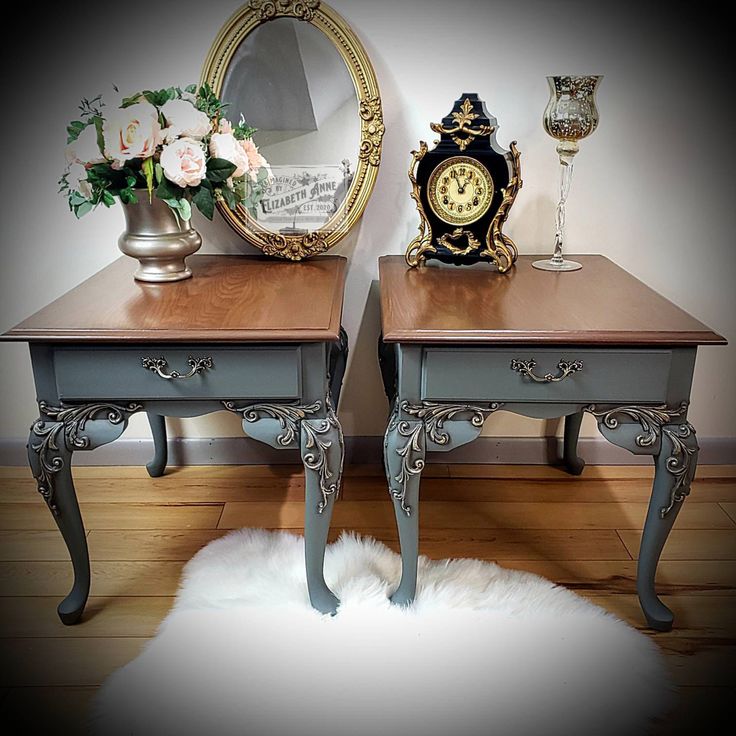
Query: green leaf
[(208, 102), (167, 190), (132, 100), (243, 131), (174, 204), (98, 122), (181, 207), (82, 209), (74, 130), (185, 208), (75, 198), (127, 196), (229, 196), (107, 199), (191, 89), (159, 97), (262, 174), (147, 169), (159, 171), (150, 97), (219, 170), (205, 201)]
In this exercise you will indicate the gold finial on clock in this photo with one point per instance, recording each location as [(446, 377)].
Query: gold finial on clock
[(463, 118)]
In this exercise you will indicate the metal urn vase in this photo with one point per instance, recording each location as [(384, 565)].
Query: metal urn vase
[(158, 239)]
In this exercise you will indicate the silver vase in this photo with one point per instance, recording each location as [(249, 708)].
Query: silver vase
[(159, 240), (570, 115)]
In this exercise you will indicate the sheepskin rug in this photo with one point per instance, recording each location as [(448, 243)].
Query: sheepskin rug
[(483, 650)]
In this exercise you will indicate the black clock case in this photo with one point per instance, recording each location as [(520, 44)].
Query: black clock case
[(486, 150)]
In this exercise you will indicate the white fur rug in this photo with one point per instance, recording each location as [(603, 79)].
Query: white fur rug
[(483, 650)]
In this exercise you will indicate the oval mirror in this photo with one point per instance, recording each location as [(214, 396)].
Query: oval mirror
[(295, 72)]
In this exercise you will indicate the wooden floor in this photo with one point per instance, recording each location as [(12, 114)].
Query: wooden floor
[(580, 532)]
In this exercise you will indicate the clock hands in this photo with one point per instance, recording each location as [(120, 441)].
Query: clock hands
[(461, 187)]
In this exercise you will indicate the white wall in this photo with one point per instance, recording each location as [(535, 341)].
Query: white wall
[(653, 186)]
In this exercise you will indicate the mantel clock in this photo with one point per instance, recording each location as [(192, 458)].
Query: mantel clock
[(464, 188)]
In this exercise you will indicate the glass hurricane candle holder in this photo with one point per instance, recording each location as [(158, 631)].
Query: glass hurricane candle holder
[(570, 115)]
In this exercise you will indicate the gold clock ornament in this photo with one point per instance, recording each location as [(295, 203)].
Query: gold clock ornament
[(464, 188)]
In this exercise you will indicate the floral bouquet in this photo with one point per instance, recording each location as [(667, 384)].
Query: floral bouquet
[(174, 143)]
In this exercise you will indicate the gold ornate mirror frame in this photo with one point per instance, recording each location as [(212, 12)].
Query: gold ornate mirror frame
[(243, 22)]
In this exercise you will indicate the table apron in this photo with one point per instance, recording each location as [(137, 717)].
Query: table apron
[(600, 375), (119, 373)]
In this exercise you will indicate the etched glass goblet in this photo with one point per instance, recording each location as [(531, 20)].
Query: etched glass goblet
[(570, 115)]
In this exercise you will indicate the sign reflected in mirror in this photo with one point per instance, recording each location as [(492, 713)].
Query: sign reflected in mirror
[(296, 74), (298, 199)]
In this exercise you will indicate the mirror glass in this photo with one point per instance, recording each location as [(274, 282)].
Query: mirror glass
[(289, 82)]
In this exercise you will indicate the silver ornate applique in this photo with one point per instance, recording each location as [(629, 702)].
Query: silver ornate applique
[(315, 455), (66, 424), (288, 416), (653, 421), (412, 459), (434, 416)]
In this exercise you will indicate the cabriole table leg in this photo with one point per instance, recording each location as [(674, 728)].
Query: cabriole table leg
[(663, 432), (157, 466), (404, 450), (571, 461), (322, 450), (674, 465), (54, 436)]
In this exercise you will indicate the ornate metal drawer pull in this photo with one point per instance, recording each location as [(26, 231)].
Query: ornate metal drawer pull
[(196, 366), (526, 368)]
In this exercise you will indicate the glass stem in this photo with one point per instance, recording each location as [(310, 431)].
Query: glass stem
[(565, 179)]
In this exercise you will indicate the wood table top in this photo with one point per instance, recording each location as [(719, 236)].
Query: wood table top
[(229, 299), (601, 304)]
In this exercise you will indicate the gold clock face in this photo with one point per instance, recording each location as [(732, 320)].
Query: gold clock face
[(460, 190)]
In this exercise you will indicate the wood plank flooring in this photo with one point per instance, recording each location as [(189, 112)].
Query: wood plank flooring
[(582, 532)]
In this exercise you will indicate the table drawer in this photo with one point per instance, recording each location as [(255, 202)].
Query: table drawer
[(477, 374), (107, 373)]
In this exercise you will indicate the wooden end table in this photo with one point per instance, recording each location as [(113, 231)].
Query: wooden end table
[(459, 344), (254, 336)]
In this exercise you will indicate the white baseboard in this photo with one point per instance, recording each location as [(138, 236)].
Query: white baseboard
[(367, 450)]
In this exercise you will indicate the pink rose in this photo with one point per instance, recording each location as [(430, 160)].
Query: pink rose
[(226, 145), (184, 121), (255, 159), (134, 132), (184, 162)]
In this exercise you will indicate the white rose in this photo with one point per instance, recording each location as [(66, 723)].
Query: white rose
[(133, 132), (77, 178), (85, 150), (227, 146), (184, 163), (184, 121)]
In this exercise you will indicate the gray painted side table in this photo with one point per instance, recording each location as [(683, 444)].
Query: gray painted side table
[(460, 344), (254, 336)]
